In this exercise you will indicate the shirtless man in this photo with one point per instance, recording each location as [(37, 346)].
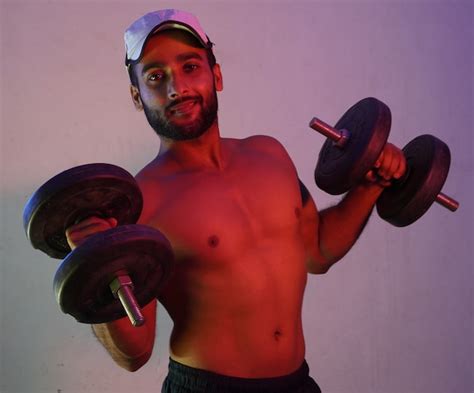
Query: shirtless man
[(244, 230)]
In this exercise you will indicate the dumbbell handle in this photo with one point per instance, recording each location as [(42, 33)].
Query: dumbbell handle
[(122, 287), (340, 138)]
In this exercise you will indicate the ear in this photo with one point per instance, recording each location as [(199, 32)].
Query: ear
[(216, 70), (137, 100)]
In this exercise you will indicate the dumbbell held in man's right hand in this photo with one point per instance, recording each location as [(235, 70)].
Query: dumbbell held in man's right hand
[(112, 273)]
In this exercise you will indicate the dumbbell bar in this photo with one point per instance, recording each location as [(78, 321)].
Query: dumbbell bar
[(122, 288), (341, 137)]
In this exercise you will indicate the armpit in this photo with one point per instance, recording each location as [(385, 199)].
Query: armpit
[(304, 193)]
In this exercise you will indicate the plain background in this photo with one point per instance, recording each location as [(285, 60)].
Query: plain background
[(395, 316)]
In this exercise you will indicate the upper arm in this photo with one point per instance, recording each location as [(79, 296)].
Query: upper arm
[(309, 228)]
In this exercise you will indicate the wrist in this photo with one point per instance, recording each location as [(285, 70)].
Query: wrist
[(368, 190)]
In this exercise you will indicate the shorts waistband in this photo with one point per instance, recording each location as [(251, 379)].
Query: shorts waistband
[(209, 381)]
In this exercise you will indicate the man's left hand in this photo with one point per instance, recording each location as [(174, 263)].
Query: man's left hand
[(390, 165)]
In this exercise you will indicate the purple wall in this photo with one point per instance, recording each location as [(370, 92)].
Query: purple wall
[(395, 316)]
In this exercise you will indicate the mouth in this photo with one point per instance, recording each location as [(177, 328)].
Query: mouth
[(183, 107)]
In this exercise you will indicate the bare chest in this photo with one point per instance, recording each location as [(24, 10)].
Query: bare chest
[(214, 214), (239, 254)]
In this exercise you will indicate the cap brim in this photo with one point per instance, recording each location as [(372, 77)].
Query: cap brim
[(137, 52)]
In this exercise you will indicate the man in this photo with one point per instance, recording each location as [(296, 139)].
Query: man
[(244, 230)]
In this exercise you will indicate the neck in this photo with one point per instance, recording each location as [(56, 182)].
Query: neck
[(204, 152)]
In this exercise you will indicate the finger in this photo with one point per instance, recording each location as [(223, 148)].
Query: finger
[(397, 164), (74, 239), (384, 169), (90, 228), (112, 222), (402, 168), (384, 183), (78, 233), (373, 177), (396, 158), (379, 160), (93, 221), (370, 176)]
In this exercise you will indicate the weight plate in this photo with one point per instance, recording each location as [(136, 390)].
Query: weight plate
[(339, 169), (428, 161), (93, 189), (81, 283)]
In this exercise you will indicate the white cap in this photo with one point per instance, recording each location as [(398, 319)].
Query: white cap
[(139, 31)]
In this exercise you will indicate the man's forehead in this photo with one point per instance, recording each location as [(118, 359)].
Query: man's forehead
[(172, 38)]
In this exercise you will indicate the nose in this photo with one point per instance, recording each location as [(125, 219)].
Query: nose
[(177, 87)]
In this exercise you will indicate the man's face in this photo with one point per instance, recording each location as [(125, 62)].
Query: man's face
[(176, 86)]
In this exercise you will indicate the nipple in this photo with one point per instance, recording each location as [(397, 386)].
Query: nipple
[(297, 212), (213, 241)]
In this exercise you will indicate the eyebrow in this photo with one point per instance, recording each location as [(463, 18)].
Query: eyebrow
[(182, 57), (189, 55)]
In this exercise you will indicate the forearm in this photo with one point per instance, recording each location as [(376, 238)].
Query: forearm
[(130, 347), (341, 225)]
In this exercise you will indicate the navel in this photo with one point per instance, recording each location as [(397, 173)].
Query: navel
[(277, 334), (213, 241)]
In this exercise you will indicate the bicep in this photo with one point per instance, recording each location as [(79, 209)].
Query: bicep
[(309, 229)]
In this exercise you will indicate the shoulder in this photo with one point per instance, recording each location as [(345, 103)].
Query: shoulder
[(155, 171), (266, 153), (146, 176), (264, 144), (262, 141)]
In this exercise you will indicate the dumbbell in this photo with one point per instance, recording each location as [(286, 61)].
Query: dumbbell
[(354, 145), (113, 273)]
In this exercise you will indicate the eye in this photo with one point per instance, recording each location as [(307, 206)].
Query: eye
[(155, 76), (190, 67)]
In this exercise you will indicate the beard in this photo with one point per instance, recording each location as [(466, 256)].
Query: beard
[(207, 116)]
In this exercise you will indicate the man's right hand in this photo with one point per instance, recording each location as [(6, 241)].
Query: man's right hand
[(78, 233)]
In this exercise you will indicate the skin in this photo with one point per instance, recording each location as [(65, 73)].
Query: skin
[(243, 240)]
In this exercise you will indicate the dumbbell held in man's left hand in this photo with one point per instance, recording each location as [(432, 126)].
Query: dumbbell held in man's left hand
[(354, 145), (112, 273)]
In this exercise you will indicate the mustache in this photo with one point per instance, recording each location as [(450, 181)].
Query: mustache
[(178, 101)]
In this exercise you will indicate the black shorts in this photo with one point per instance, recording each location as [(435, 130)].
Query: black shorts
[(185, 379)]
